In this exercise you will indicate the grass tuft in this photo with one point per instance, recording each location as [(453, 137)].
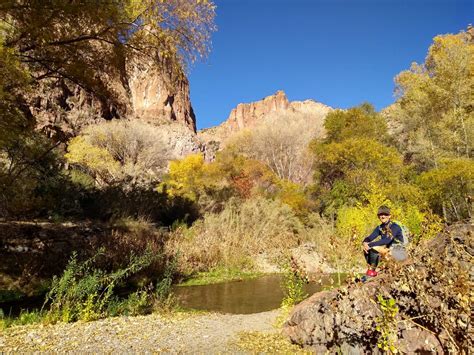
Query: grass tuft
[(219, 275)]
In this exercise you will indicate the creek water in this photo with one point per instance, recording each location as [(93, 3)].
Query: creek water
[(244, 297), (237, 297)]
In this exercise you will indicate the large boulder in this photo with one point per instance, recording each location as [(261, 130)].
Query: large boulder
[(432, 291)]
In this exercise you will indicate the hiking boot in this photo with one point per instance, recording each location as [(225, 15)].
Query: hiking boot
[(371, 273)]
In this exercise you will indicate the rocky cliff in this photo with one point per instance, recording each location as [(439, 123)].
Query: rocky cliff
[(432, 293), (150, 94), (250, 115), (156, 97), (145, 92)]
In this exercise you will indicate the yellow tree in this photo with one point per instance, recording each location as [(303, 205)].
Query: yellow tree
[(87, 41), (433, 116), (360, 121), (186, 177), (345, 169), (450, 187)]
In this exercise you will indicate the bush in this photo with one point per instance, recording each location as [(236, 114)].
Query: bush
[(25, 317), (125, 152), (292, 286), (84, 292), (354, 223), (282, 144)]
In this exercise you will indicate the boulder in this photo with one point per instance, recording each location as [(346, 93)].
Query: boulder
[(432, 291)]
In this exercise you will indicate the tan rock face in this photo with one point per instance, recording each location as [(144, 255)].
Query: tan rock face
[(247, 115), (62, 109), (155, 99), (250, 115)]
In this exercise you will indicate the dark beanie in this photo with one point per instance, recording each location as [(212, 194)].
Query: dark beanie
[(383, 210)]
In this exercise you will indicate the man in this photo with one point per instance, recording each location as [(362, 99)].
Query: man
[(374, 248)]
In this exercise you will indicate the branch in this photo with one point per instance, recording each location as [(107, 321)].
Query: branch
[(28, 31), (88, 37)]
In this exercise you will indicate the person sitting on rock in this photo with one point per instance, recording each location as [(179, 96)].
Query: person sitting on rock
[(389, 232)]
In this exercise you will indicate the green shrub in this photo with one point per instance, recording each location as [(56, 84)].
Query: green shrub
[(387, 324), (25, 317), (292, 285), (86, 293)]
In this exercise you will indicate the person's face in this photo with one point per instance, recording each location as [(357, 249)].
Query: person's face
[(384, 218)]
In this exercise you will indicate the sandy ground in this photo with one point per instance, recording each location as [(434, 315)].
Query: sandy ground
[(195, 333)]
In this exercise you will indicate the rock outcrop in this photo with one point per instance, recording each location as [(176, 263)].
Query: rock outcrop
[(155, 97), (149, 93), (433, 293), (248, 115), (251, 115), (145, 92), (180, 140)]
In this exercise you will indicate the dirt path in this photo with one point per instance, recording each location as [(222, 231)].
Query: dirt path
[(202, 333)]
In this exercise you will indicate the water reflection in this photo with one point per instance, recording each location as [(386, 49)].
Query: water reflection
[(241, 297)]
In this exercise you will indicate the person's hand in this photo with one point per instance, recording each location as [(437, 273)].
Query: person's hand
[(366, 247)]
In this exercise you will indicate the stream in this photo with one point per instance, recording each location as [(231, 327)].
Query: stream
[(235, 297), (243, 297)]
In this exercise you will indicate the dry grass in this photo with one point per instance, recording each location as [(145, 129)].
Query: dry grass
[(136, 236), (235, 236)]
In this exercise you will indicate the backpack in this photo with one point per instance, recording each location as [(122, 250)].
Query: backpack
[(405, 233), (398, 250)]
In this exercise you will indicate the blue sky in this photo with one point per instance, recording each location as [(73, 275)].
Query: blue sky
[(338, 52)]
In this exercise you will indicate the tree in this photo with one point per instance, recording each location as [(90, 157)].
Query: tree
[(281, 142), (346, 170), (27, 159), (120, 152), (361, 122), (450, 186), (433, 116), (85, 42), (186, 177)]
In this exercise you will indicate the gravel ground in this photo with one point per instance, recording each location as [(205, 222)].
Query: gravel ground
[(197, 333)]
